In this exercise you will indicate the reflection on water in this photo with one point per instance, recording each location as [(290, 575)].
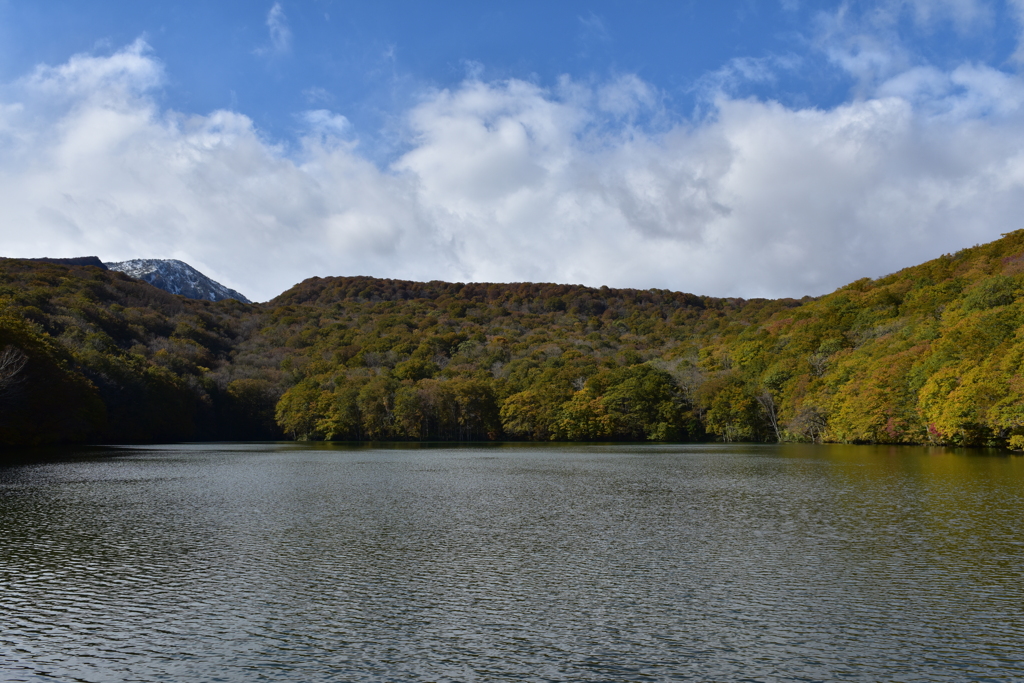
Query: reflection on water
[(282, 562)]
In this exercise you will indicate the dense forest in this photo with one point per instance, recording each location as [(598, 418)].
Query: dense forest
[(931, 354)]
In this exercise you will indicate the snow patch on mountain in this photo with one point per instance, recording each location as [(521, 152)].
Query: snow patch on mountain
[(176, 277)]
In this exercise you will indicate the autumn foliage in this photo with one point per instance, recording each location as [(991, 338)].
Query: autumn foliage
[(932, 354)]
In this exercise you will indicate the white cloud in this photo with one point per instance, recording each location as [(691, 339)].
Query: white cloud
[(280, 33), (871, 41), (325, 122), (965, 14), (966, 93), (742, 71), (594, 27), (506, 181), (626, 97), (1016, 8), (317, 95), (117, 78)]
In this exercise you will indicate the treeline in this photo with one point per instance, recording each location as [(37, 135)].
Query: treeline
[(386, 359), (95, 356), (638, 403), (931, 354)]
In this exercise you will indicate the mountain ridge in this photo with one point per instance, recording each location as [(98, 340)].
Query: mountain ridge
[(931, 354), (176, 277)]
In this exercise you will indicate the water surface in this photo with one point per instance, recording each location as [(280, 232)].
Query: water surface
[(272, 562)]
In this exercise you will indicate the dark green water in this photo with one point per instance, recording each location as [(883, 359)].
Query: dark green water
[(282, 562)]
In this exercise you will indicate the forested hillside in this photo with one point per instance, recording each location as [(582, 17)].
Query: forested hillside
[(387, 359), (93, 355), (931, 354)]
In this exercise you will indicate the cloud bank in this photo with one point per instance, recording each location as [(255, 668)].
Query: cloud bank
[(591, 183)]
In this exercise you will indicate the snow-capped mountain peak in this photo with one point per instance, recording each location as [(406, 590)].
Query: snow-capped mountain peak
[(176, 277)]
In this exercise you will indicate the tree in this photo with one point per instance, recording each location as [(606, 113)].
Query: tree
[(12, 364), (376, 401), (767, 402), (252, 402), (297, 411), (809, 423), (643, 403), (478, 416), (583, 418)]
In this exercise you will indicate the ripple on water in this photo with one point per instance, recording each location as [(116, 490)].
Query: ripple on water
[(232, 563)]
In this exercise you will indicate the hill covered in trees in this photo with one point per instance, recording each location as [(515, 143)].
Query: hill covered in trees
[(931, 354)]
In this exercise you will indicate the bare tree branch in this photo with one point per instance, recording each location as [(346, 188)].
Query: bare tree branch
[(12, 362), (767, 403), (810, 422)]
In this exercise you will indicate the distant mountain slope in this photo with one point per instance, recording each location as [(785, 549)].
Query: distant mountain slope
[(932, 354), (176, 277), (78, 261)]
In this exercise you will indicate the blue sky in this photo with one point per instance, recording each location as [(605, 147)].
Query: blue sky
[(369, 59), (751, 148)]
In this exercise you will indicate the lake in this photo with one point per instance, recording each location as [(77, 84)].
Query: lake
[(298, 562)]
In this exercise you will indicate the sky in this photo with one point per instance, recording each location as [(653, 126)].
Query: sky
[(754, 148)]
